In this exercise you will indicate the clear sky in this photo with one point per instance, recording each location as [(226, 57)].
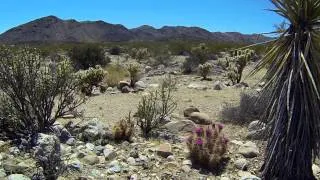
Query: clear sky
[(246, 16)]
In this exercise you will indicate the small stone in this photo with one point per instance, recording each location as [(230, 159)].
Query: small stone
[(131, 161), (2, 173), (91, 159), (14, 151), (187, 162), (256, 125), (164, 150), (170, 158), (189, 110), (18, 177), (71, 142), (134, 153), (241, 164), (249, 150), (315, 169), (218, 85), (134, 177), (200, 118), (109, 154), (90, 146), (186, 168), (75, 164)]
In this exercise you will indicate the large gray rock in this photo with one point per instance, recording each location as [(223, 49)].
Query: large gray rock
[(94, 130), (200, 118), (140, 86), (180, 126), (189, 110), (126, 89), (18, 177), (249, 150)]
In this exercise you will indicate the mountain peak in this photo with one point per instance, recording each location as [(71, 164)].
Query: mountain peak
[(53, 29)]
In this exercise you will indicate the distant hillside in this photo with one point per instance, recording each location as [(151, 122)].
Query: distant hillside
[(52, 29)]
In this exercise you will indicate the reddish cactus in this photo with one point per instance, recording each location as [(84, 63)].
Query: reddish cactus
[(207, 146)]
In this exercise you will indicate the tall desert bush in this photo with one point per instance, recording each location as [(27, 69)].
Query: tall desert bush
[(34, 94)]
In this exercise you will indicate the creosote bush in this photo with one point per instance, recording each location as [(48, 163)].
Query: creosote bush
[(85, 56), (207, 146), (140, 54), (33, 94), (204, 70), (199, 55), (90, 78), (124, 129), (154, 107), (134, 70)]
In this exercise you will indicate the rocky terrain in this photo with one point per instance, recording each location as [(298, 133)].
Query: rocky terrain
[(89, 152), (53, 29)]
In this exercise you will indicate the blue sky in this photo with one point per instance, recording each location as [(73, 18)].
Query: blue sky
[(246, 16)]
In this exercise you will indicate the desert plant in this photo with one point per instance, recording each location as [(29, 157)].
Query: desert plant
[(189, 65), (134, 70), (115, 50), (293, 83), (85, 56), (36, 94), (200, 52), (204, 70), (124, 129), (156, 106), (90, 78), (237, 63), (116, 73), (207, 147), (140, 54)]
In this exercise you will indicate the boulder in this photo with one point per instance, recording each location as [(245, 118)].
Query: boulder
[(140, 86), (190, 110), (200, 118), (180, 126)]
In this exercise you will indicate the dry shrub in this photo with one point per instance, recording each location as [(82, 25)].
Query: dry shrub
[(116, 73), (124, 129)]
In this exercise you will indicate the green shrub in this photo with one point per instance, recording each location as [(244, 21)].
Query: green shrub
[(140, 54), (134, 69), (207, 147), (116, 73), (201, 53), (36, 93), (204, 70), (90, 78), (189, 65), (85, 56), (124, 129), (155, 107), (115, 50)]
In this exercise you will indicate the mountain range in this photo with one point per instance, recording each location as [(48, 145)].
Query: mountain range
[(52, 29)]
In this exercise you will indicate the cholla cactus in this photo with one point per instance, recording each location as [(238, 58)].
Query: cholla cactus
[(134, 70), (140, 54), (237, 63), (124, 129), (204, 70), (91, 77), (207, 146)]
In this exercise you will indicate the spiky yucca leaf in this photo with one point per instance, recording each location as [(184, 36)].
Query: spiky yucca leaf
[(293, 88)]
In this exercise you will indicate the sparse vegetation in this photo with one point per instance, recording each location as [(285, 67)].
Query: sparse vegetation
[(124, 129), (204, 70), (86, 56), (116, 73), (140, 54), (155, 107), (92, 77), (33, 95), (134, 70), (207, 146)]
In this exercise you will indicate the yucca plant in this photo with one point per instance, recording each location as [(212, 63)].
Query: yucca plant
[(293, 87)]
